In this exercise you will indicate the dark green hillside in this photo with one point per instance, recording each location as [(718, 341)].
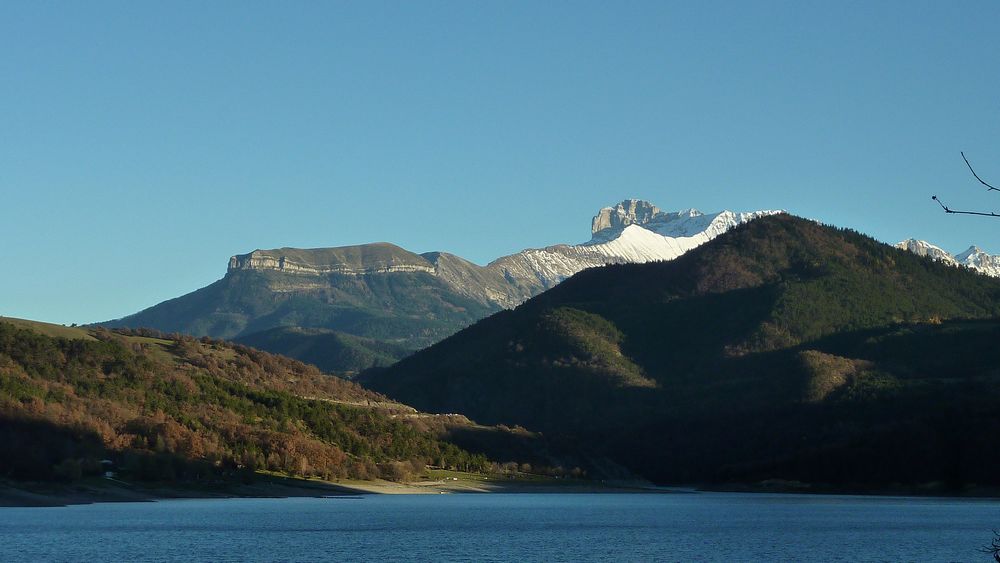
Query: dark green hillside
[(908, 405), (182, 409), (407, 309), (777, 350), (329, 350)]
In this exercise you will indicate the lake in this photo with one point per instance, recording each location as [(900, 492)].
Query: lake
[(509, 527)]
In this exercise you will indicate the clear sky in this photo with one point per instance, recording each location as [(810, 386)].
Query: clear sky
[(142, 143)]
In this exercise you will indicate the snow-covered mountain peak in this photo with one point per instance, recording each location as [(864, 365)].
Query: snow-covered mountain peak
[(610, 222), (979, 260), (924, 248), (974, 257), (970, 252)]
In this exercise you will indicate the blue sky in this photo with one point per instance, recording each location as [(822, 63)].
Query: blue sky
[(142, 144)]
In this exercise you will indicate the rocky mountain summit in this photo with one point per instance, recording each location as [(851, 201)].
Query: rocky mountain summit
[(311, 269), (924, 248), (374, 258), (628, 212), (975, 258)]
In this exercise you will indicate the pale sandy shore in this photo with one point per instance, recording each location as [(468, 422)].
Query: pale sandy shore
[(97, 490), (498, 486)]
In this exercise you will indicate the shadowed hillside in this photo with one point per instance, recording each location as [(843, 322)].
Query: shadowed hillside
[(782, 349), (329, 350)]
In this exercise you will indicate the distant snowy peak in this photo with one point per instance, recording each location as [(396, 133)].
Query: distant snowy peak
[(667, 235), (633, 231), (976, 259), (924, 248), (973, 258)]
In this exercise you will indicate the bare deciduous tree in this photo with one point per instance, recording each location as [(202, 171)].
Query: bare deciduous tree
[(989, 188)]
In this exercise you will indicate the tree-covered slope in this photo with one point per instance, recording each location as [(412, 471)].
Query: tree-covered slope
[(193, 410), (408, 309), (329, 350), (723, 364)]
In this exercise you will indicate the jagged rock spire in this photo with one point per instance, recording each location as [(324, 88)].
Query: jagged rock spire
[(628, 212)]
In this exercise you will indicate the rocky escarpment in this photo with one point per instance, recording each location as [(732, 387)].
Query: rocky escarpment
[(312, 268), (628, 212), (376, 258)]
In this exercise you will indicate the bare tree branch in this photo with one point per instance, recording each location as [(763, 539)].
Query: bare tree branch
[(989, 187), (994, 547), (950, 210)]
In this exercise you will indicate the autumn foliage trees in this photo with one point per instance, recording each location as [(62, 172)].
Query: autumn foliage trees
[(178, 408)]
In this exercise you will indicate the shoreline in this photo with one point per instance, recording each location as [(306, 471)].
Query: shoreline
[(99, 490), (107, 490)]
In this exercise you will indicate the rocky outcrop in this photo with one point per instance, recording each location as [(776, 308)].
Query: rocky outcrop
[(376, 258), (259, 261), (628, 212)]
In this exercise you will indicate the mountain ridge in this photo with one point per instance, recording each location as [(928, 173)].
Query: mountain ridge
[(407, 300), (633, 231)]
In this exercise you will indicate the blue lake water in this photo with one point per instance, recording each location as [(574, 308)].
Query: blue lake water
[(509, 527)]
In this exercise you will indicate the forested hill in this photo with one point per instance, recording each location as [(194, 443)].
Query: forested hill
[(782, 349), (330, 350), (180, 409)]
